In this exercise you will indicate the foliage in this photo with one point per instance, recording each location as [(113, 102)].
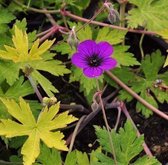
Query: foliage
[(35, 55), (145, 83), (126, 146), (146, 14), (33, 59), (42, 129)]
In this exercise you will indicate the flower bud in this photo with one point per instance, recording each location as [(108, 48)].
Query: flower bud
[(113, 15), (72, 39)]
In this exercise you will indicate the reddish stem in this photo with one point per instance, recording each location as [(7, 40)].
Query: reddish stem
[(68, 14), (125, 111), (135, 95)]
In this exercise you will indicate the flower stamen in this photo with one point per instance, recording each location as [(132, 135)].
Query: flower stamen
[(94, 60)]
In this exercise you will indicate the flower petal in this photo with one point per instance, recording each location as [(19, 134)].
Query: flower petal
[(108, 63), (78, 60), (104, 49), (87, 47), (92, 72)]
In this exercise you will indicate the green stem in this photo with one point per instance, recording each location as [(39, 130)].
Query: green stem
[(36, 10), (122, 14), (122, 17), (140, 45), (107, 125), (35, 88)]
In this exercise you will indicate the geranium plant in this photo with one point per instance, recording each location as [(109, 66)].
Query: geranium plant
[(83, 82)]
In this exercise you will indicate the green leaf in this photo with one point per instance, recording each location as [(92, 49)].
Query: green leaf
[(44, 82), (149, 98), (19, 89), (145, 160), (71, 158), (104, 160), (146, 14), (64, 48), (112, 36), (86, 84), (6, 17), (152, 64), (120, 72), (20, 51), (123, 57), (83, 33), (126, 143), (9, 71), (49, 156), (82, 158), (45, 128), (54, 67)]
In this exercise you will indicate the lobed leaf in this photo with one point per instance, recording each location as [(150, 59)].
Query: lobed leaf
[(149, 14), (123, 57), (112, 36), (42, 129)]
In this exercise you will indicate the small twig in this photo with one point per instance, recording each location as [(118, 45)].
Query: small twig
[(50, 33), (125, 111), (90, 116), (75, 132), (118, 118), (108, 130), (135, 95), (51, 19), (76, 107), (140, 45)]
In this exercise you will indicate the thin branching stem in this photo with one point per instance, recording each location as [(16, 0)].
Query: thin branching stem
[(75, 132), (68, 14), (125, 111), (89, 20), (33, 84), (75, 17), (140, 45), (118, 118), (135, 95), (106, 123), (35, 9)]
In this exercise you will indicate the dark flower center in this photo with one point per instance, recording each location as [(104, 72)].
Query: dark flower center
[(94, 60)]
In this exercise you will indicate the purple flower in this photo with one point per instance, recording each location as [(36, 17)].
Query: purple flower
[(94, 58)]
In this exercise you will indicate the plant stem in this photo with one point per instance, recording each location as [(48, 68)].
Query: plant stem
[(118, 118), (94, 16), (140, 45), (106, 123), (36, 10), (122, 14), (35, 88), (135, 95), (75, 132), (68, 14), (125, 111), (122, 18)]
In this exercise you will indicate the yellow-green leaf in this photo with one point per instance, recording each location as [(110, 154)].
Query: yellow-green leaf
[(163, 34), (45, 128), (20, 51), (166, 62)]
